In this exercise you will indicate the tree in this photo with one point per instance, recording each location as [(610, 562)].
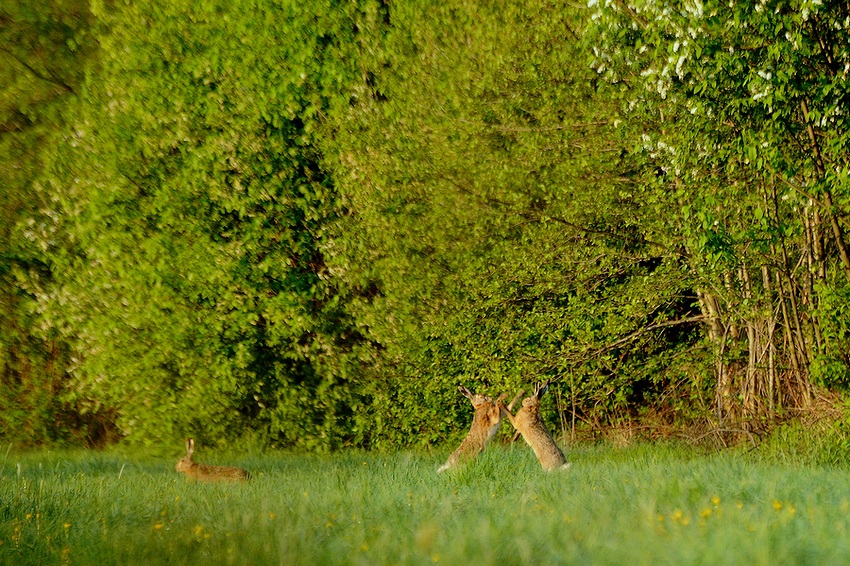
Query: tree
[(748, 152), (492, 212), (191, 205), (44, 50)]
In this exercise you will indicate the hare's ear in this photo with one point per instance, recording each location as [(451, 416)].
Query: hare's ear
[(466, 392), (190, 446), (541, 389)]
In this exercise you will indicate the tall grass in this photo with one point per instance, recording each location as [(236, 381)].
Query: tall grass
[(656, 504)]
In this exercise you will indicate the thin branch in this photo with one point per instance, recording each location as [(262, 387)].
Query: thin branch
[(645, 329), (837, 233), (492, 203), (598, 232), (50, 77), (557, 128), (632, 14), (19, 121), (575, 361)]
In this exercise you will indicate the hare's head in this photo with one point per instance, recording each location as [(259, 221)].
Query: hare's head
[(186, 461), (533, 401), (476, 399)]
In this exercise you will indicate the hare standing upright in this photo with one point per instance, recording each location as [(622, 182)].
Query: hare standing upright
[(485, 425), (528, 423), (205, 472)]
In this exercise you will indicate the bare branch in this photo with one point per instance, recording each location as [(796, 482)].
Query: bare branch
[(559, 127), (49, 77)]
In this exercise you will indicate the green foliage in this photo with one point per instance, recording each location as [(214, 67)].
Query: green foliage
[(44, 48), (734, 91), (194, 286), (746, 149), (516, 248), (832, 367), (310, 221)]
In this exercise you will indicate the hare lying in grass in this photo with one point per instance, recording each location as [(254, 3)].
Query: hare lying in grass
[(485, 425), (205, 472), (528, 423)]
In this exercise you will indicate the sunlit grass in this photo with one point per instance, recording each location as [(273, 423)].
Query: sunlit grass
[(637, 505)]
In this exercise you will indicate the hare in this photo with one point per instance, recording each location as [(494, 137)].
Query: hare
[(485, 425), (205, 472), (528, 423)]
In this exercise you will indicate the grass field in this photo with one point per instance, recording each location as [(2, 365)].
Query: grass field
[(646, 504)]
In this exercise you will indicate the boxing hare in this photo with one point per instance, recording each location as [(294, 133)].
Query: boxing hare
[(485, 425), (205, 472), (528, 423)]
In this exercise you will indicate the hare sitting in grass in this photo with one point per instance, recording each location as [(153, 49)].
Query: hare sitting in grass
[(205, 472), (528, 423), (485, 425)]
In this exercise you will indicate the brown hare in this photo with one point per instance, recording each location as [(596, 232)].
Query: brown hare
[(485, 425), (205, 472), (528, 423)]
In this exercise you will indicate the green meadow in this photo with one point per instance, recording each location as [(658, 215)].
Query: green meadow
[(642, 504)]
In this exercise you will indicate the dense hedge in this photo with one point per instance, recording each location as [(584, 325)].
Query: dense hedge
[(310, 221)]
